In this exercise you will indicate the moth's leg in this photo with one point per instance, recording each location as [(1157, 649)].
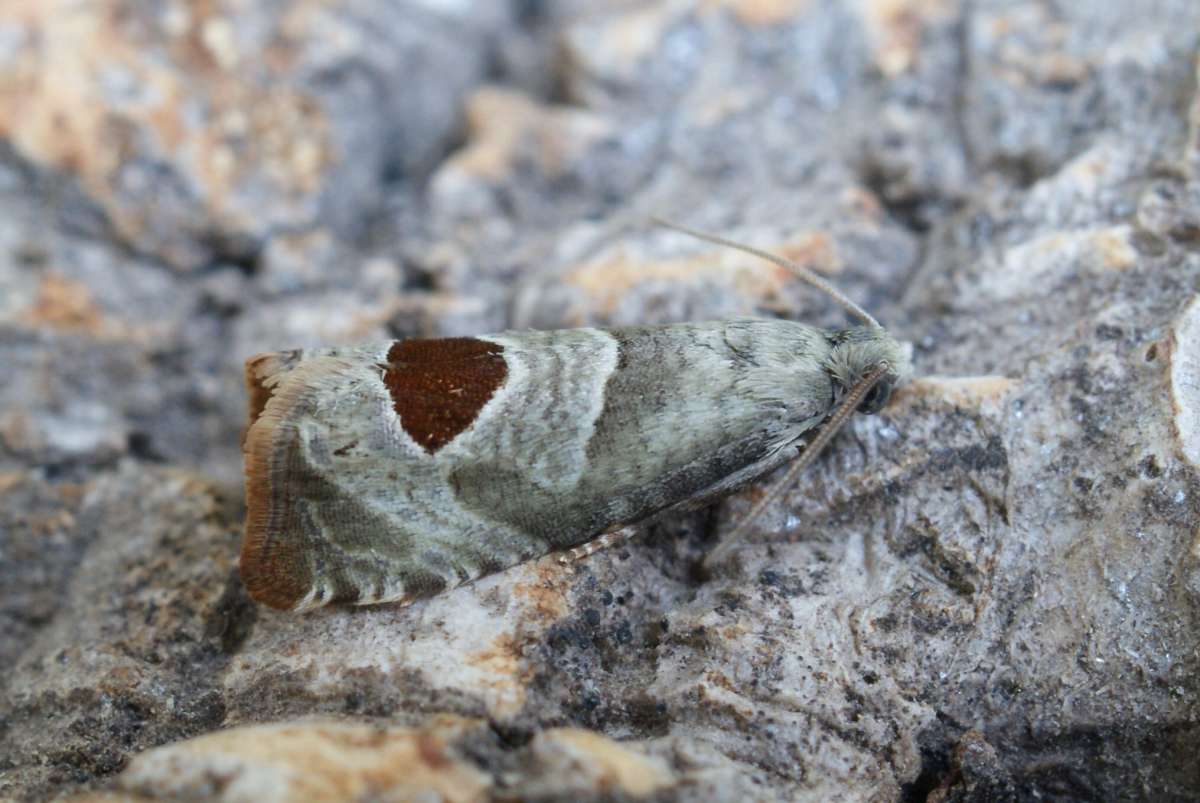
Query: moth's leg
[(604, 541)]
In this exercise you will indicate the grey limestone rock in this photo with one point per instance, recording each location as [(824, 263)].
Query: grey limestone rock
[(989, 591)]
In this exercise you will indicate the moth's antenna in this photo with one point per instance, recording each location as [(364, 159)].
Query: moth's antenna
[(799, 271), (840, 416)]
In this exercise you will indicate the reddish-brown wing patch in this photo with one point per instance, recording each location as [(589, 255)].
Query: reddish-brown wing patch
[(438, 386)]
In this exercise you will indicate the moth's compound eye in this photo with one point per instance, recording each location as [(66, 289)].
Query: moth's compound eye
[(876, 397)]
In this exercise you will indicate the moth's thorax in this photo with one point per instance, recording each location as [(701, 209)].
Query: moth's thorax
[(856, 351)]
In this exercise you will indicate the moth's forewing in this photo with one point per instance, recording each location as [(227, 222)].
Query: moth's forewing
[(395, 471)]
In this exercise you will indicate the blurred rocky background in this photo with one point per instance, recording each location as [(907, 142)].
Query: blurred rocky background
[(991, 591)]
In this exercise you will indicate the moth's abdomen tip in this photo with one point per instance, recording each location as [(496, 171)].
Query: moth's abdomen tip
[(279, 596), (269, 576), (270, 566)]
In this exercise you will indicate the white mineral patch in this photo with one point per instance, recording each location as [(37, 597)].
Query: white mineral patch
[(986, 392), (1043, 260)]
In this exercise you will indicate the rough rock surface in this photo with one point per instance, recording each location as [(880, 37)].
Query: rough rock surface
[(449, 758), (991, 591)]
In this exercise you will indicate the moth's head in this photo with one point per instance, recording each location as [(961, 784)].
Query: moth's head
[(856, 352)]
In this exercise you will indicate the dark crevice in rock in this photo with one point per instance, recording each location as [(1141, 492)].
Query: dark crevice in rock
[(233, 617)]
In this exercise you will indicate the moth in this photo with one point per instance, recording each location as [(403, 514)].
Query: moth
[(393, 471)]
